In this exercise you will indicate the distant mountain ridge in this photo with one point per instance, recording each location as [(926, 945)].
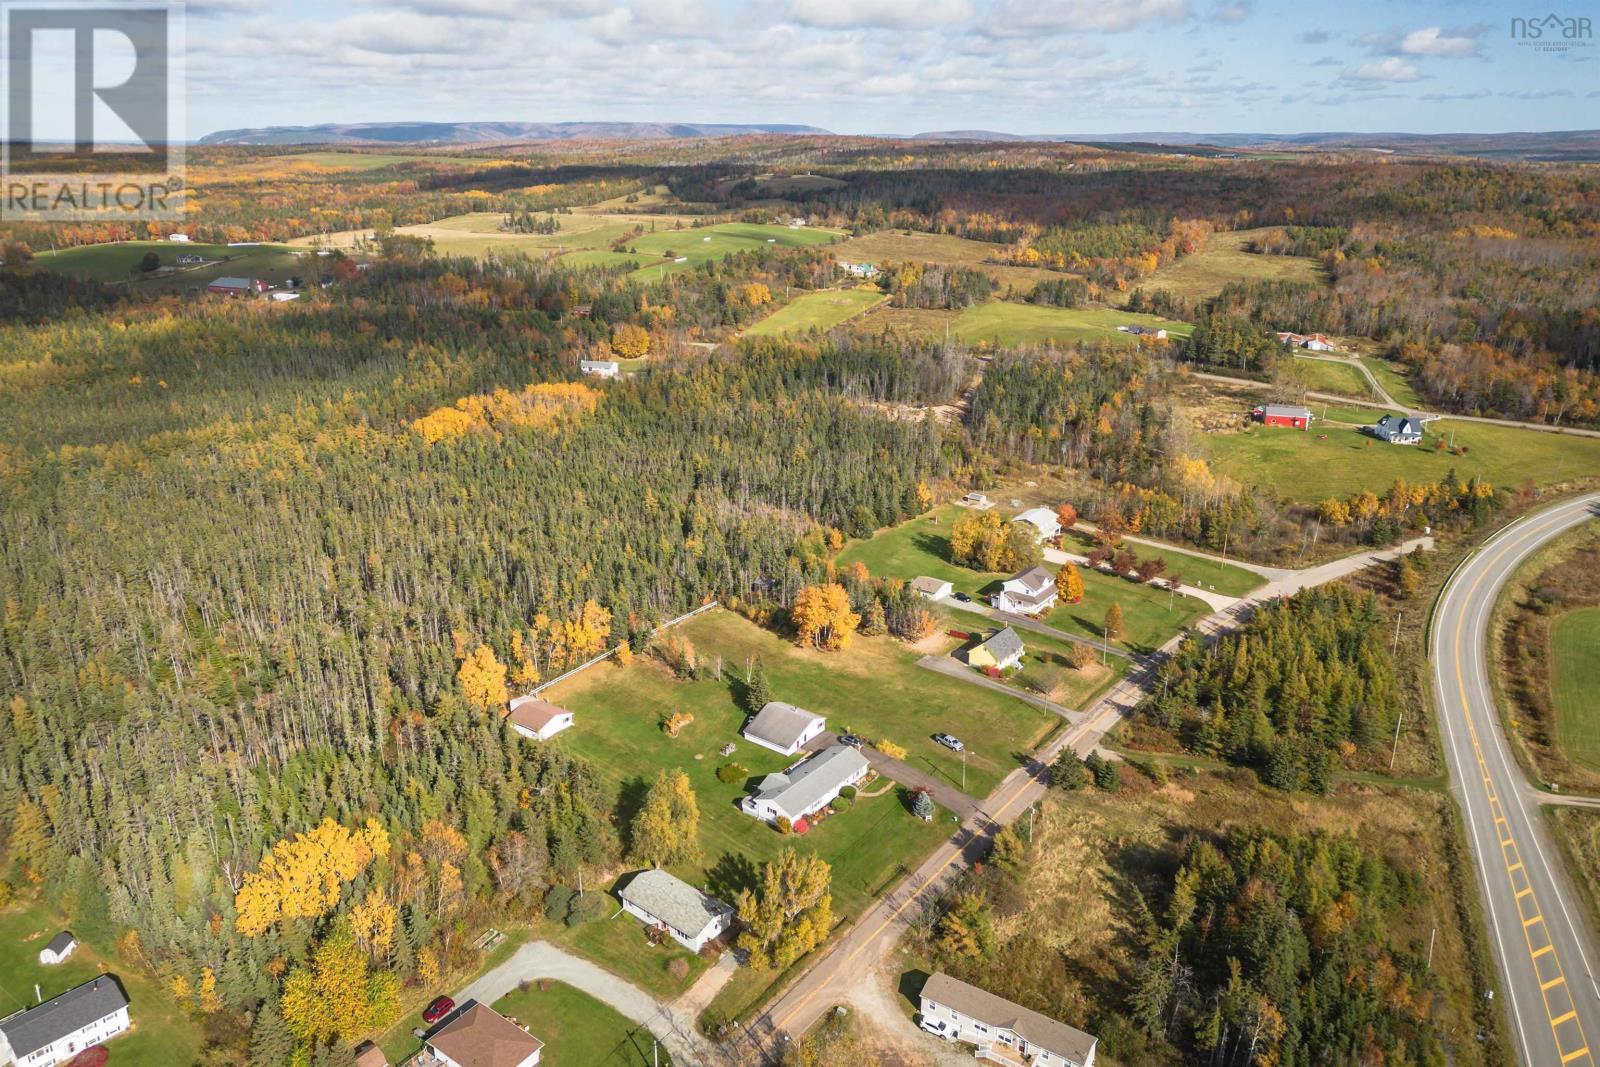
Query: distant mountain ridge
[(1562, 145), (383, 133)]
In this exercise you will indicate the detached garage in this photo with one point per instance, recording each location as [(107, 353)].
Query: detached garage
[(534, 718), (783, 728)]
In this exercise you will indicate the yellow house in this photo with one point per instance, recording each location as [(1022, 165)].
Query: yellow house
[(1000, 649)]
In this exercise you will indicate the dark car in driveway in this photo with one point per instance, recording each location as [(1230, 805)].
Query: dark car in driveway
[(849, 741), (964, 598), (437, 1009)]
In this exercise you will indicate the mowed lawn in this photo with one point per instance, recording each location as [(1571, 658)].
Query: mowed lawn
[(1221, 261), (1335, 460), (119, 261), (922, 546), (1325, 376), (1001, 322), (698, 245), (1575, 666), (578, 1030), (821, 310), (162, 1033), (1198, 571)]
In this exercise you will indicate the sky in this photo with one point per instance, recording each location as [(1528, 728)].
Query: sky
[(892, 66)]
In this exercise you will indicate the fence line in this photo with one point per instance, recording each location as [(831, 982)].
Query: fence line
[(608, 653)]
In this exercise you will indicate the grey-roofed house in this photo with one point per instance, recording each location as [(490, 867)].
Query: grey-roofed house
[(1397, 430), (600, 368), (1008, 1032), (1029, 592), (1000, 650), (806, 787), (783, 727), (59, 948), (932, 588), (690, 916), (60, 1028)]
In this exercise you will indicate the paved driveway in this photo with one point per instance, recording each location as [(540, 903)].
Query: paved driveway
[(944, 794)]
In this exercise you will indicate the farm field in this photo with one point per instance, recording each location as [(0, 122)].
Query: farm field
[(922, 546), (820, 310), (699, 245), (119, 262), (1325, 376), (162, 1032), (1574, 667), (1337, 460), (946, 249), (1003, 323), (1223, 260), (874, 688), (578, 1030), (1392, 378), (1193, 570)]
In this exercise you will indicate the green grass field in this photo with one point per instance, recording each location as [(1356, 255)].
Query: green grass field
[(1003, 323), (119, 262), (922, 546), (1574, 667), (162, 1032), (1194, 570), (1392, 377), (700, 244), (1337, 460), (1222, 261), (578, 1030), (1323, 376), (821, 310), (889, 246)]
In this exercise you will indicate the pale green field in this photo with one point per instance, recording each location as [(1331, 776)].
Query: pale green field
[(119, 262), (1574, 666), (821, 310), (1323, 376), (946, 249), (1221, 261), (1004, 323), (700, 245)]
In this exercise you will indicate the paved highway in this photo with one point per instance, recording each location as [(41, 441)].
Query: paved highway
[(1537, 924)]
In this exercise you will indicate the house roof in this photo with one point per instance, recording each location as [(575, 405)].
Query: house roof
[(1040, 1030), (231, 283), (674, 902), (781, 724), (802, 788), (370, 1055), (1043, 518), (1399, 424), (482, 1037), (61, 942), (597, 364), (930, 586), (31, 1030), (1287, 411), (531, 713), (1034, 580), (1003, 644)]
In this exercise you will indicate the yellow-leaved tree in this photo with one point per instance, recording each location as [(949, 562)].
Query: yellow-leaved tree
[(822, 617), (483, 679), (301, 877), (339, 995)]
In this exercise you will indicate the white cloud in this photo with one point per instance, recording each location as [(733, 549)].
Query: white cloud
[(877, 14), (1232, 11), (1434, 41), (1021, 18), (1393, 69)]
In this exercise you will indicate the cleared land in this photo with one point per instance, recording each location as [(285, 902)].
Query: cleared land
[(578, 1030), (1223, 260), (922, 546), (120, 262), (694, 246), (1193, 570), (892, 247), (821, 310), (1574, 669), (1392, 377), (1005, 323), (162, 1033), (1325, 376), (1335, 459)]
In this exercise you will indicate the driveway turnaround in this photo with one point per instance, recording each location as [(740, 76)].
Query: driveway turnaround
[(1537, 924)]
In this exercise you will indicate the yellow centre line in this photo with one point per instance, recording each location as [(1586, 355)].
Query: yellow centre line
[(1513, 863)]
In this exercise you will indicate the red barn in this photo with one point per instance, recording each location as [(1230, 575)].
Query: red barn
[(1283, 415), (238, 286)]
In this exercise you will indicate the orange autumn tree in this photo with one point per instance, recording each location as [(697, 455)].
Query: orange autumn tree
[(823, 619), (301, 877), (1069, 583)]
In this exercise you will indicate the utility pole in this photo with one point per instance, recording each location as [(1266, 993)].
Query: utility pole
[(963, 769), (1396, 749), (1396, 647), (1031, 808), (1431, 932), (1105, 641)]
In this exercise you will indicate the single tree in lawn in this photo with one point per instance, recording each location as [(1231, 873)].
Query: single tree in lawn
[(758, 693), (922, 804), (666, 829), (1069, 583), (1114, 624)]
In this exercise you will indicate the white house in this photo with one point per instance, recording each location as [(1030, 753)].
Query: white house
[(1397, 430), (1029, 592), (783, 728), (690, 916), (1042, 519), (806, 787), (481, 1037), (932, 588), (976, 500), (858, 270), (1144, 331), (600, 368), (1002, 1031), (59, 948), (181, 238), (534, 718), (57, 1030)]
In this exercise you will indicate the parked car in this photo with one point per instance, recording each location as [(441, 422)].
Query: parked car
[(850, 740), (964, 598), (952, 743), (438, 1009)]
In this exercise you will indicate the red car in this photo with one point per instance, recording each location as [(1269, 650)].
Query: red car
[(437, 1010)]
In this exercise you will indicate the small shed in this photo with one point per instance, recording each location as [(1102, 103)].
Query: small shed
[(537, 719), (60, 947)]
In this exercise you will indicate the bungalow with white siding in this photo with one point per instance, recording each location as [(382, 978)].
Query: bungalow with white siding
[(1003, 1032), (783, 728), (535, 719), (692, 918), (932, 588), (600, 368), (806, 787), (479, 1036), (60, 1028)]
